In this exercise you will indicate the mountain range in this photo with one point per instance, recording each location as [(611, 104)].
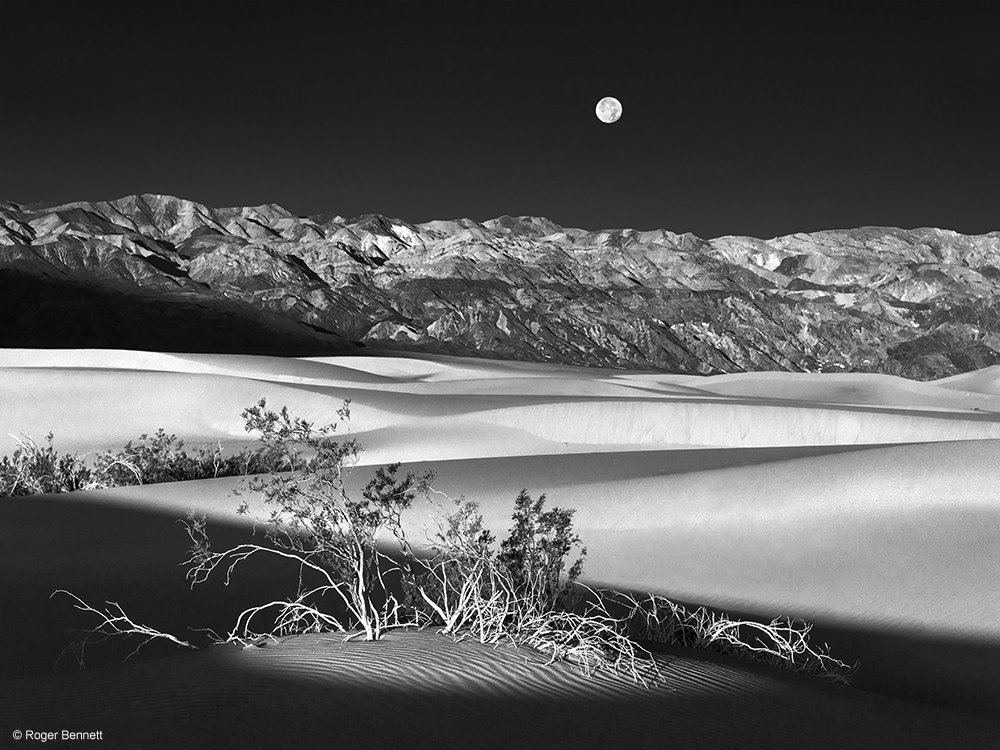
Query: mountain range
[(162, 273)]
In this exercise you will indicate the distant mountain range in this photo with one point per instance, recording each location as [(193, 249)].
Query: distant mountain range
[(160, 273)]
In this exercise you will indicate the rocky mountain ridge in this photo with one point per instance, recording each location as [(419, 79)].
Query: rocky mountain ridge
[(158, 272)]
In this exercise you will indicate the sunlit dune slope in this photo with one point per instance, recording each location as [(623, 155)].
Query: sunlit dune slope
[(446, 408), (985, 381)]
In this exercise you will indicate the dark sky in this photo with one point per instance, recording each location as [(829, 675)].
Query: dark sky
[(739, 118)]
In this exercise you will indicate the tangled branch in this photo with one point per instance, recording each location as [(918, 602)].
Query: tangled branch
[(114, 622)]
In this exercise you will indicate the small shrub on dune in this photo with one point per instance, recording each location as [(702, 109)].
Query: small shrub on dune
[(313, 521), (160, 457), (150, 460), (534, 553), (35, 470), (519, 594), (529, 565)]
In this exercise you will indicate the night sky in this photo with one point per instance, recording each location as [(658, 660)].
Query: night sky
[(739, 118)]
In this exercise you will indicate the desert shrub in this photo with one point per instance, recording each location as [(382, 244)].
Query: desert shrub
[(162, 458), (534, 553), (526, 572), (783, 642), (153, 459), (517, 594), (313, 521), (33, 469)]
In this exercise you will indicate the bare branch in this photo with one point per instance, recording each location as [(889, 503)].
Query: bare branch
[(114, 622)]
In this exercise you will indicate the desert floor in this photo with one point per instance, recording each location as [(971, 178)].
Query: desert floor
[(867, 504)]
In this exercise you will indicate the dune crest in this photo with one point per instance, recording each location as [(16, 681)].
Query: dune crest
[(475, 409)]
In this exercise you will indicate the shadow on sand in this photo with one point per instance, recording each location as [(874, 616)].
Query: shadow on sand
[(222, 697)]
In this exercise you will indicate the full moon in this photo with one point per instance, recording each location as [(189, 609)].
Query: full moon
[(609, 109)]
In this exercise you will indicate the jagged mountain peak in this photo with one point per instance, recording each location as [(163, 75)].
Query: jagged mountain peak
[(526, 226), (918, 302)]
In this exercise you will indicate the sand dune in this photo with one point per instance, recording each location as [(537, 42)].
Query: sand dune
[(865, 503), (444, 408), (985, 381), (875, 545), (424, 691)]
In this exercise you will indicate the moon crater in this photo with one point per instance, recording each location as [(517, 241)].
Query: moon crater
[(609, 109)]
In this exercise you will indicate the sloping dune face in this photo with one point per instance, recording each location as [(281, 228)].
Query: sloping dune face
[(420, 690), (437, 408), (866, 503)]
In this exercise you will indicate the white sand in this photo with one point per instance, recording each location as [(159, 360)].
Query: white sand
[(445, 408), (868, 503)]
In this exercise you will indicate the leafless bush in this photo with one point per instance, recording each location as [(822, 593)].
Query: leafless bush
[(113, 623), (34, 470), (783, 642), (314, 523), (519, 595)]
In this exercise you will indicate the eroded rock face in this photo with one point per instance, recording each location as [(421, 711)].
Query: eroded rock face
[(923, 303)]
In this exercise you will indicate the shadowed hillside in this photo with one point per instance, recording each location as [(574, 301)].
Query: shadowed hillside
[(921, 303), (50, 313)]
